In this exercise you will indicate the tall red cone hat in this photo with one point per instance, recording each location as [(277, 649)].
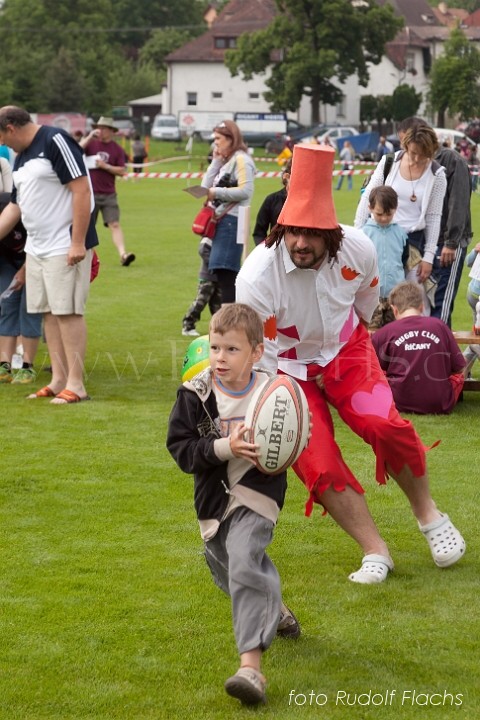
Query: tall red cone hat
[(309, 202)]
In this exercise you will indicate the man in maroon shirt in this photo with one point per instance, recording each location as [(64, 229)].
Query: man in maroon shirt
[(419, 355), (105, 160)]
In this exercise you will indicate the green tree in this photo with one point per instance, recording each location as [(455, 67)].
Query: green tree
[(376, 108), (311, 46), (384, 110), (405, 102), (63, 85), (34, 33), (135, 80), (144, 16), (454, 79), (160, 44), (368, 108)]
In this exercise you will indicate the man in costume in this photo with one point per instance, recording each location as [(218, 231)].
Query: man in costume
[(315, 285)]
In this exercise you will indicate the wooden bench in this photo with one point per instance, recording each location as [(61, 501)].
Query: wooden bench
[(466, 337)]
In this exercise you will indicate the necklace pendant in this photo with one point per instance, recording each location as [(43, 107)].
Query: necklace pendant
[(413, 197)]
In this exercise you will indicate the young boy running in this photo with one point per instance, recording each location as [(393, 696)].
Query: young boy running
[(237, 506)]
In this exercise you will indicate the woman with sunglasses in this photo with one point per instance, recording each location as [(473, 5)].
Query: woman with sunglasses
[(229, 180)]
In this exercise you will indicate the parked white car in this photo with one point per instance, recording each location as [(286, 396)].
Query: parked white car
[(332, 134), (452, 136), (165, 127)]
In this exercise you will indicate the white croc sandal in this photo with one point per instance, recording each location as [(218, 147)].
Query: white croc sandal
[(374, 570), (446, 544)]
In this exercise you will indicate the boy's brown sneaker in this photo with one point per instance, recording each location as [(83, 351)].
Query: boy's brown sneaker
[(247, 685), (288, 625)]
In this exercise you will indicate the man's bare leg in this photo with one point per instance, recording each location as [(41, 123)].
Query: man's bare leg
[(72, 330), (56, 351), (118, 238), (417, 490), (349, 510), (30, 347), (8, 346)]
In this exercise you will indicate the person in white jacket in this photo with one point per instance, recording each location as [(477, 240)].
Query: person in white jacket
[(229, 180)]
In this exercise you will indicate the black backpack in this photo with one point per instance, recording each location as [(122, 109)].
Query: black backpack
[(389, 158)]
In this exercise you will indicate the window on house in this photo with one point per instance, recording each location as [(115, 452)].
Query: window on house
[(410, 61), (217, 95), (191, 99), (221, 43), (341, 107), (254, 96)]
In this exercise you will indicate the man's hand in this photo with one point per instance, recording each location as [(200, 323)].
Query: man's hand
[(19, 278), (112, 169), (76, 254), (102, 165), (424, 270), (92, 135), (447, 256)]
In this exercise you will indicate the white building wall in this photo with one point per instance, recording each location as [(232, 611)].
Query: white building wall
[(209, 81), (346, 112), (237, 95), (384, 78)]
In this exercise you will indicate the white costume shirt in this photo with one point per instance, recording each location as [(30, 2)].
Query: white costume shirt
[(309, 315)]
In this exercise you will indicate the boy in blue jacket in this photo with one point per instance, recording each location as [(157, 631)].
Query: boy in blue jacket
[(390, 242)]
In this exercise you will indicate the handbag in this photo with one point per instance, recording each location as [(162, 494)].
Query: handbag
[(205, 223)]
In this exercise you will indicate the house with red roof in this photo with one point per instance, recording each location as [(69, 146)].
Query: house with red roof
[(198, 80)]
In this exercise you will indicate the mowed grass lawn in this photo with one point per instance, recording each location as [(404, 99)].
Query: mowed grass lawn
[(107, 609)]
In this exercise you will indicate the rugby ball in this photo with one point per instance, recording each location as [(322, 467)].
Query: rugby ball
[(197, 357), (278, 421)]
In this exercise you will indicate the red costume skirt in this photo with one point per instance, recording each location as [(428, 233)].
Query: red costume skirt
[(354, 384)]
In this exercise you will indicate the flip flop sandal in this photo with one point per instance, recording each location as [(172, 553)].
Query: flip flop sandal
[(45, 392), (374, 570), (446, 543), (69, 397)]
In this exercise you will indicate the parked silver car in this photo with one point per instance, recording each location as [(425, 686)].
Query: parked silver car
[(165, 127)]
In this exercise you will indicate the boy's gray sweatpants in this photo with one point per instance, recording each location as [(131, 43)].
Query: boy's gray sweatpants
[(241, 568)]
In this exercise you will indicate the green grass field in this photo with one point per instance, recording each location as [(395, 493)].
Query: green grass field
[(107, 609)]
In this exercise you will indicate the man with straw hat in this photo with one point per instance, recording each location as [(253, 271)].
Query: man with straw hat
[(106, 161), (315, 285)]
